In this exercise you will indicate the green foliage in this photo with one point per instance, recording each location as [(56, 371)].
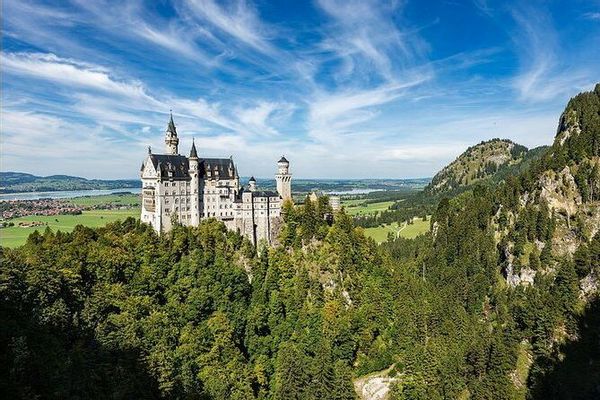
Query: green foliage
[(198, 313)]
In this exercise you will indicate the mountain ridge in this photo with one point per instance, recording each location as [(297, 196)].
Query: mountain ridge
[(492, 159), (17, 182)]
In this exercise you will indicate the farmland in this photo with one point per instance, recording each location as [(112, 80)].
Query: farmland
[(17, 235), (409, 231)]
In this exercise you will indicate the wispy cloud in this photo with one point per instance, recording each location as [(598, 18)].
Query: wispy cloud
[(68, 72), (237, 18), (327, 82), (335, 114), (367, 39), (594, 16), (484, 7), (544, 71)]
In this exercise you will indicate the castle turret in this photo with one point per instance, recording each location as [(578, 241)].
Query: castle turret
[(284, 179), (171, 139), (252, 184), (194, 172)]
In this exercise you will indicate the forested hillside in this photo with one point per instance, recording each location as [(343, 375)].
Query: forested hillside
[(498, 301), (478, 163), (16, 182)]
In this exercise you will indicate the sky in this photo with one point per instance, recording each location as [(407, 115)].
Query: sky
[(342, 88)]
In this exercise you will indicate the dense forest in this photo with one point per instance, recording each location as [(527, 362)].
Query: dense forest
[(198, 313)]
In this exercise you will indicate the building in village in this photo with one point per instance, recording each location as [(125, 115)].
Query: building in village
[(176, 188)]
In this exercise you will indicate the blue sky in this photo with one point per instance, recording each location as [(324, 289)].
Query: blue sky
[(342, 88)]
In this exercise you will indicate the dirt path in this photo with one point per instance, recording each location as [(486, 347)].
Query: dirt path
[(375, 386)]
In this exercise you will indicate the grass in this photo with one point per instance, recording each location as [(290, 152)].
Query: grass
[(359, 207), (125, 199), (524, 361), (417, 228), (380, 233), (15, 236)]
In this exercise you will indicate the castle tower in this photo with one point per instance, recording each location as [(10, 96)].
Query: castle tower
[(284, 179), (252, 184), (171, 139), (194, 172)]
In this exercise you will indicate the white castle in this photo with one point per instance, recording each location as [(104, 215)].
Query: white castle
[(186, 190)]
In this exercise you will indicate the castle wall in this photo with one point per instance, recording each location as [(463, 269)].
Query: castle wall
[(176, 188)]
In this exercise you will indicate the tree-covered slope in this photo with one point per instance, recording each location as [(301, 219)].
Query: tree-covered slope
[(120, 312), (477, 163), (16, 182)]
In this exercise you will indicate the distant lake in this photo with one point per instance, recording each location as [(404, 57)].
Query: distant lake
[(65, 194), (353, 191)]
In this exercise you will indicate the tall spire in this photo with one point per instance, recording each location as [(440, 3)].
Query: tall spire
[(171, 127), (193, 153), (171, 139)]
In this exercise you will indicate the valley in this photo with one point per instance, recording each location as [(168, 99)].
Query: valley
[(482, 284)]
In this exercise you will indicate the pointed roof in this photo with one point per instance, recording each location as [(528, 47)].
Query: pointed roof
[(252, 179), (171, 127), (283, 160), (193, 153)]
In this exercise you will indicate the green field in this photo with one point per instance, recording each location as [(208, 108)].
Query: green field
[(15, 236), (380, 233), (126, 199), (417, 228), (359, 207)]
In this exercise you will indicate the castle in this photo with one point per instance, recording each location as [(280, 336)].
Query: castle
[(186, 190)]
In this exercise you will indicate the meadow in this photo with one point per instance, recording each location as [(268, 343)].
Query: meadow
[(124, 199), (359, 207), (380, 233), (16, 235)]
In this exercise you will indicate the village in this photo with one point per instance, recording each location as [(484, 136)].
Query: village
[(12, 211)]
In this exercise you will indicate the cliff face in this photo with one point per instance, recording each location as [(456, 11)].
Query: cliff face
[(549, 208), (564, 184), (477, 163), (569, 176)]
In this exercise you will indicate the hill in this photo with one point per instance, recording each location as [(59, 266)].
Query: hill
[(498, 301), (477, 163), (19, 182)]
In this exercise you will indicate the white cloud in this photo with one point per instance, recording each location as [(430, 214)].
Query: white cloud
[(238, 19), (366, 37), (68, 72), (360, 86), (335, 114), (595, 16), (546, 74)]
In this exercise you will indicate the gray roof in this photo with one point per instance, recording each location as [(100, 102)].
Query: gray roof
[(171, 166), (224, 168), (171, 127), (265, 193), (193, 152), (177, 167), (283, 159)]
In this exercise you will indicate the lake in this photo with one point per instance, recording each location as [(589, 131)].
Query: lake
[(352, 191), (64, 194)]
